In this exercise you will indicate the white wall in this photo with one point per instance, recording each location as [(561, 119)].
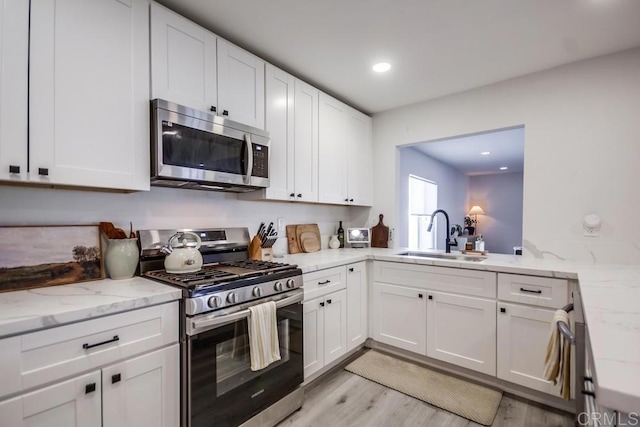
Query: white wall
[(165, 208), (500, 196), (582, 150), (452, 191)]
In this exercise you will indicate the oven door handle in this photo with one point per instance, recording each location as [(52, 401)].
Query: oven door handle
[(197, 326), (249, 146)]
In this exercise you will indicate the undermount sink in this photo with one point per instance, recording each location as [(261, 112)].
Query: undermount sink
[(453, 256)]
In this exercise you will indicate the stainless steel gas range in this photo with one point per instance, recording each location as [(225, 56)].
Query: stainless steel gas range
[(218, 387)]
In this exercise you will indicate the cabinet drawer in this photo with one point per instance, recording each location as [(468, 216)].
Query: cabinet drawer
[(456, 280), (322, 282), (56, 353), (539, 291)]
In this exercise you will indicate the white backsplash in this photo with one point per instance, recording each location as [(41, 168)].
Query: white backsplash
[(168, 208)]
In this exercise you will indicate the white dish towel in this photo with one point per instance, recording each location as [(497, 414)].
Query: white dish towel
[(263, 335), (557, 362)]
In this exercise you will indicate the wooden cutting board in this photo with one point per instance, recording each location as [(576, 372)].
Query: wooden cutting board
[(380, 235), (310, 233), (292, 239)]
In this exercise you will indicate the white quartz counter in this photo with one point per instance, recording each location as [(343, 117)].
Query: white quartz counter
[(29, 310), (610, 297)]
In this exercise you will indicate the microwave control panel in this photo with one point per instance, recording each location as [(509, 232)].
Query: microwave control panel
[(260, 161)]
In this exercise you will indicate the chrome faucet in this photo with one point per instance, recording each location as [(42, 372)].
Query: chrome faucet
[(446, 215)]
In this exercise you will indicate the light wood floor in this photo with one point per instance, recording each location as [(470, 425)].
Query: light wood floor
[(345, 399)]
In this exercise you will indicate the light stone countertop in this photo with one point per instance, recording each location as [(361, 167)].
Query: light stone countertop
[(33, 309), (611, 304), (610, 296)]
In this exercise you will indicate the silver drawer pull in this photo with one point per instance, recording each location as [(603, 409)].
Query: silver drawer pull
[(325, 282), (530, 291), (88, 346)]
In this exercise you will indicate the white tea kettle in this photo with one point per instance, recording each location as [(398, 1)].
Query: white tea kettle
[(182, 259)]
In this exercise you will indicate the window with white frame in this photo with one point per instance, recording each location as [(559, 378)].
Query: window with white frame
[(423, 200)]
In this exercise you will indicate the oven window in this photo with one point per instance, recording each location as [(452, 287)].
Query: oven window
[(233, 360), (222, 386), (198, 149)]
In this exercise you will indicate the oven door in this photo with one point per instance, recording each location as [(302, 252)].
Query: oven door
[(222, 389), (191, 145)]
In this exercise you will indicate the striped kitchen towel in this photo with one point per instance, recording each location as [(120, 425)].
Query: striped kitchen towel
[(263, 335)]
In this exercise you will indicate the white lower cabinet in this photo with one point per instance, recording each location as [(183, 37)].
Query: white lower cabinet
[(357, 303), (399, 316), (118, 370), (71, 403), (523, 334), (325, 331), (462, 330), (143, 391)]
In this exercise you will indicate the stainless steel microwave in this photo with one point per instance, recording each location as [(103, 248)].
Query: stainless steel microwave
[(198, 150)]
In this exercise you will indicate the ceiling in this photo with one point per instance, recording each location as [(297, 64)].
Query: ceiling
[(436, 47), (463, 153)]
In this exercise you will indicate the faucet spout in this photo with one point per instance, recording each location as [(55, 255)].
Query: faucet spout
[(446, 216)]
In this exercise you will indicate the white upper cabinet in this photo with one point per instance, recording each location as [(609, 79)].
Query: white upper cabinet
[(183, 60), (345, 154), (89, 93), (305, 159), (14, 61), (240, 85), (332, 151), (279, 88), (359, 158), (193, 67)]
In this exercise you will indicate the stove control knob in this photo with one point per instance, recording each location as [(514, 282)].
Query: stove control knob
[(290, 283), (215, 302), (278, 287), (256, 292), (232, 298)]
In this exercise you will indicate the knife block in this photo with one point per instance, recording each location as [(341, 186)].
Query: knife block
[(257, 252)]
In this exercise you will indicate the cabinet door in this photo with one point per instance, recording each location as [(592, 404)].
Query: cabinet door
[(143, 391), (313, 325), (357, 303), (332, 151), (183, 60), (279, 123), (306, 142), (399, 317), (462, 330), (523, 334), (14, 60), (70, 403), (89, 93), (359, 158), (240, 85), (335, 326)]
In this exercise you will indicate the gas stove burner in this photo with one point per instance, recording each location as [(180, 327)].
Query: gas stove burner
[(207, 275)]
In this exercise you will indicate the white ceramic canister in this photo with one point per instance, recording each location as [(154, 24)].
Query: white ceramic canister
[(334, 243), (121, 258)]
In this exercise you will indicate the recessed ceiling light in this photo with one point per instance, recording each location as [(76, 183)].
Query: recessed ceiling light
[(485, 153), (381, 67), (503, 168)]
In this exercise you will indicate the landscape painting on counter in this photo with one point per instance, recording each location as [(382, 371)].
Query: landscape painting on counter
[(35, 257)]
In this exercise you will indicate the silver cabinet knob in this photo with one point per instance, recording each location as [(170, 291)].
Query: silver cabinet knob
[(277, 286), (232, 298), (215, 302), (290, 283), (256, 292)]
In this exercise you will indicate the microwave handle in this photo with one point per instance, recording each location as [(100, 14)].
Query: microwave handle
[(249, 145)]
